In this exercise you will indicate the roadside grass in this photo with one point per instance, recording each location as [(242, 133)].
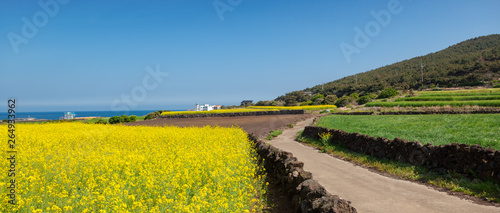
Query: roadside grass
[(274, 134), (451, 181), (437, 129)]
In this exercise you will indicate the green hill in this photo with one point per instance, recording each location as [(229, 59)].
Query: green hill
[(470, 63)]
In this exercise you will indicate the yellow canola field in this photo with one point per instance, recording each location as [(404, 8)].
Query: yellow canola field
[(217, 111), (311, 107), (76, 167)]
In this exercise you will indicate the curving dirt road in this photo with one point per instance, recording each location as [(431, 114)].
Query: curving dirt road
[(369, 191)]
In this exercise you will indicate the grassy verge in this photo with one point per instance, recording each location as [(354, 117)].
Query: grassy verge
[(455, 182), (442, 129), (274, 134)]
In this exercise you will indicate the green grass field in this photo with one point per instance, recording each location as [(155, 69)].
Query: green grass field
[(482, 129)]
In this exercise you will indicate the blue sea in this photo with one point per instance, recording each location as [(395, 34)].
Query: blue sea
[(58, 115)]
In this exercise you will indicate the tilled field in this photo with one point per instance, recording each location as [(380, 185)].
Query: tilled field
[(258, 125)]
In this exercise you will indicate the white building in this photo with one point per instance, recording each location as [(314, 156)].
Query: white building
[(69, 115), (206, 107)]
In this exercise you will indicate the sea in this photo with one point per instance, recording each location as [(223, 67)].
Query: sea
[(57, 115)]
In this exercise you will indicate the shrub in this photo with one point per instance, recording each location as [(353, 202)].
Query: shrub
[(354, 95), (291, 101), (331, 99), (101, 121), (364, 99), (388, 93), (125, 119), (325, 138), (316, 97), (273, 134), (496, 86), (306, 103), (115, 120), (346, 100), (122, 119)]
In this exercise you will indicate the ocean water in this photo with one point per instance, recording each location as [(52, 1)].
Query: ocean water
[(58, 115)]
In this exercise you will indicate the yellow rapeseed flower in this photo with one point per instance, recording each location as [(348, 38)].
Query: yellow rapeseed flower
[(77, 167)]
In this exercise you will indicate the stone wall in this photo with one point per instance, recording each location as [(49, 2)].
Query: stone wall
[(306, 194), (256, 113), (462, 158)]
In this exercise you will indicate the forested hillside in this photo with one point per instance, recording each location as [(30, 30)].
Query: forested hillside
[(470, 63)]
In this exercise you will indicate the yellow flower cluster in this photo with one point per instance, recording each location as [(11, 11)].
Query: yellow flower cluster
[(217, 111), (311, 107), (76, 167)]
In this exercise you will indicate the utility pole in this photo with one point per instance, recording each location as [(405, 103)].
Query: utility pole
[(323, 86), (356, 79)]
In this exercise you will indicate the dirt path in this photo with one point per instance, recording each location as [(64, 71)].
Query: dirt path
[(369, 191)]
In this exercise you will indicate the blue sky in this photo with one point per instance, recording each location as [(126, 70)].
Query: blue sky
[(92, 55)]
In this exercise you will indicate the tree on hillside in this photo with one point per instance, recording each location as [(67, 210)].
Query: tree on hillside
[(388, 93), (291, 100), (331, 99)]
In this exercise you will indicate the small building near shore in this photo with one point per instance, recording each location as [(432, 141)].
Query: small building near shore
[(205, 107)]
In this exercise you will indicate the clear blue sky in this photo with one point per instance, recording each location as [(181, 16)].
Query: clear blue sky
[(86, 55)]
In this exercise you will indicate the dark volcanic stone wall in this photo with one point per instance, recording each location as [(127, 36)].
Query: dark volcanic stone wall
[(306, 194), (462, 158)]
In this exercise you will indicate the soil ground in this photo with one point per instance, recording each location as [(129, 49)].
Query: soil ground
[(258, 125)]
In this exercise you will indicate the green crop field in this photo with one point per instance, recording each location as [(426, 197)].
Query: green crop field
[(449, 98), (494, 103), (465, 91), (482, 129), (459, 98)]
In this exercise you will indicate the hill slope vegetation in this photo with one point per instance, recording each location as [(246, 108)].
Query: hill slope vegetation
[(473, 62)]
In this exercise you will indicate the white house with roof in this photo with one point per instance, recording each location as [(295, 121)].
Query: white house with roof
[(206, 107)]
